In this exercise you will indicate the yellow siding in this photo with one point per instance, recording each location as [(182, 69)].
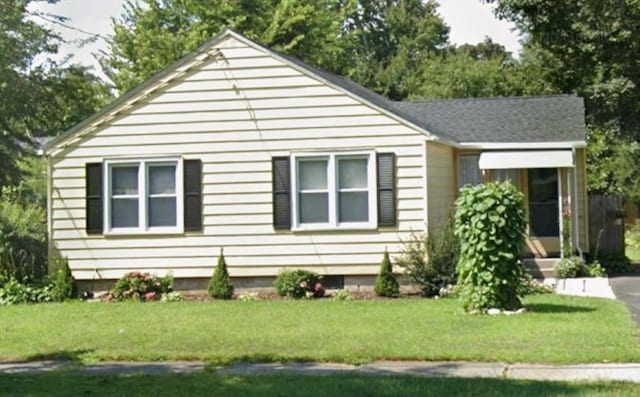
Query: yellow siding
[(441, 182), (235, 114)]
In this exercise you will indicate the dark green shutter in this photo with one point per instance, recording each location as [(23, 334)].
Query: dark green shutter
[(281, 181), (386, 189), (94, 212), (192, 195)]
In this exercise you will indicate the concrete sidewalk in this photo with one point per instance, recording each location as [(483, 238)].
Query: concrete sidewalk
[(580, 372)]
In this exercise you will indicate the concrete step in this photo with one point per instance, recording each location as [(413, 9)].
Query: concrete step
[(541, 267)]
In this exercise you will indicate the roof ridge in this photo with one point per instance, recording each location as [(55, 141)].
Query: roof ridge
[(488, 99)]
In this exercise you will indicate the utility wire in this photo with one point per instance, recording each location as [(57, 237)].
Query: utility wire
[(64, 25)]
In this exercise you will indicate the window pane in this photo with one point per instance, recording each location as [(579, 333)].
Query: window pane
[(162, 179), (352, 173), (511, 175), (314, 207), (124, 180), (124, 212), (354, 206), (162, 211), (468, 170), (312, 174)]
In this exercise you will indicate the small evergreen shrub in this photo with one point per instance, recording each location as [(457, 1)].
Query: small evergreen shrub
[(430, 261), (61, 280), (299, 284), (220, 286), (386, 283), (490, 224), (140, 286)]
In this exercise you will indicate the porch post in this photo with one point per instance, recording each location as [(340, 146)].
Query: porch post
[(560, 220)]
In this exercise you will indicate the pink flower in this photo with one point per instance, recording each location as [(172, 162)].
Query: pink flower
[(149, 296), (567, 213), (317, 287), (303, 284)]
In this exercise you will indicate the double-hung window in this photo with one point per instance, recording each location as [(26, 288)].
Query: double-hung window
[(334, 191), (144, 196)]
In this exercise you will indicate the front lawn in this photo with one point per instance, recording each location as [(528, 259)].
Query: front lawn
[(65, 384), (556, 329)]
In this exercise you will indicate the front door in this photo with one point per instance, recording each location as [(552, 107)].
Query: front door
[(544, 227)]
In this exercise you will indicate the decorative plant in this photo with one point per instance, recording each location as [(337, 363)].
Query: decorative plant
[(62, 281), (386, 283), (140, 286), (299, 284), (430, 261), (490, 223), (220, 286)]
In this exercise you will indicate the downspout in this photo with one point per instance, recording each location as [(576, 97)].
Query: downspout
[(575, 203)]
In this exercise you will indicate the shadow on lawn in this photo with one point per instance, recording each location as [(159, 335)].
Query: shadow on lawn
[(75, 356), (554, 308)]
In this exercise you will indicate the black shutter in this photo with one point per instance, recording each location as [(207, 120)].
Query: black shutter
[(386, 189), (192, 195), (281, 180), (94, 214)]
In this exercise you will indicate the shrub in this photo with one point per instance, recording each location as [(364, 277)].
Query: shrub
[(171, 297), (220, 286), (14, 292), (490, 223), (140, 286), (576, 267), (529, 286), (23, 237), (430, 261), (342, 295), (386, 283), (299, 284), (249, 297), (62, 281)]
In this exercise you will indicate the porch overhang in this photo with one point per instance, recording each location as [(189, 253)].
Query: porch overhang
[(496, 160)]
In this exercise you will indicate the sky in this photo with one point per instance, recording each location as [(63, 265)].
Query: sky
[(470, 22)]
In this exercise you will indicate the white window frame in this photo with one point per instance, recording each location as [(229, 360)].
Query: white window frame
[(333, 190), (143, 196)]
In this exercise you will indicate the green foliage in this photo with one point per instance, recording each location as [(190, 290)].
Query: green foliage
[(140, 286), (530, 286), (220, 286), (171, 297), (575, 267), (342, 295), (490, 223), (14, 292), (430, 261), (386, 283), (23, 237), (61, 280), (299, 284), (585, 46), (249, 297)]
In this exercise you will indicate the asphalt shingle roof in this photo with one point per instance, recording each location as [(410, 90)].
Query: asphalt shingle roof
[(551, 118)]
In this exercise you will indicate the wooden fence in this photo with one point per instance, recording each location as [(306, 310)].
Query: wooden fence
[(606, 225)]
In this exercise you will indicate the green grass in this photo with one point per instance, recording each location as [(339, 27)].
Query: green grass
[(63, 384), (557, 329)]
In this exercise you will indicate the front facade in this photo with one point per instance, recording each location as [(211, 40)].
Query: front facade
[(284, 166)]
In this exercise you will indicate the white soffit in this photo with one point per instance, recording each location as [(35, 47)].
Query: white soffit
[(526, 159)]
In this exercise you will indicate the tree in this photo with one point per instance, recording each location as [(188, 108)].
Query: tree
[(36, 100), (377, 43), (591, 48)]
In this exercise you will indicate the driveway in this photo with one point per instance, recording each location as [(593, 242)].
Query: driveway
[(627, 289)]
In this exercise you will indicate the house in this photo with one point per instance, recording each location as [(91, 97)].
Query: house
[(284, 165)]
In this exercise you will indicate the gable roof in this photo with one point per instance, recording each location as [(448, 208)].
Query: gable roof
[(551, 118), (558, 118)]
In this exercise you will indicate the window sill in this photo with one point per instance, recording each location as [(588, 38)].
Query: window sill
[(141, 232), (332, 228)]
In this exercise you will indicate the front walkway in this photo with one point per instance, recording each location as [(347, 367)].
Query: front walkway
[(581, 372)]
